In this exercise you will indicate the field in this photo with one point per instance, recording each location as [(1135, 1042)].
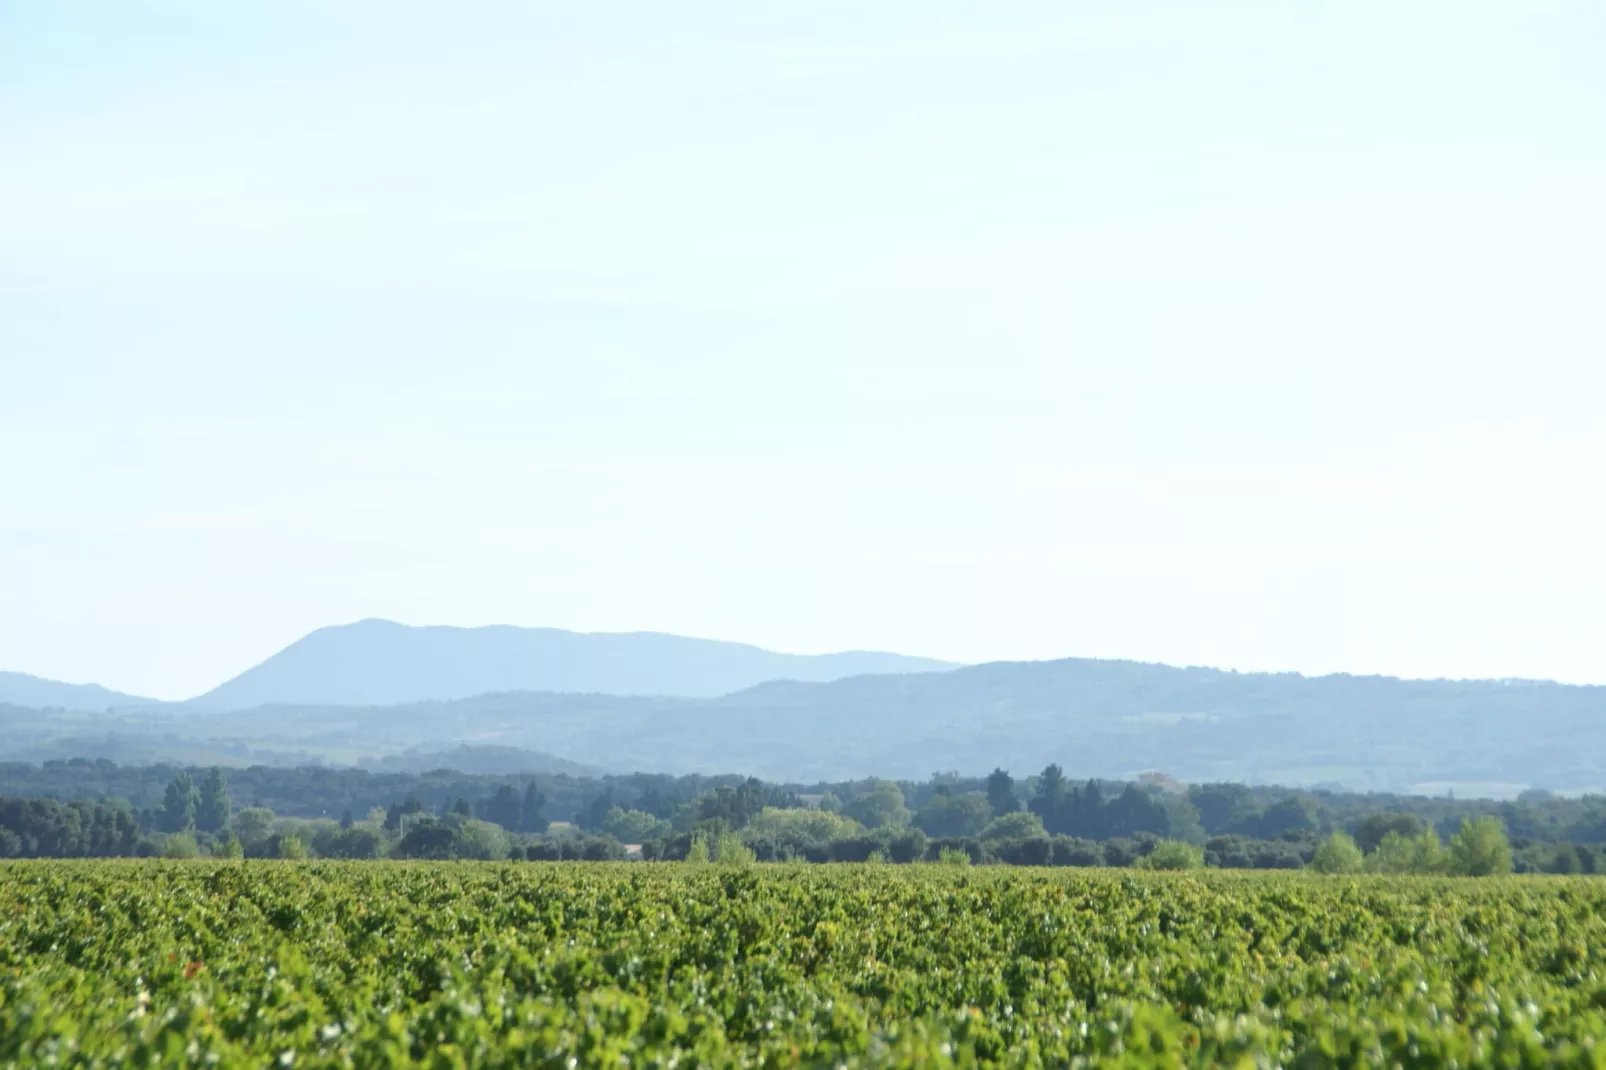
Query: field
[(564, 965)]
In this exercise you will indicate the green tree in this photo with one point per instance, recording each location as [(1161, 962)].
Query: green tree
[(180, 845), (292, 846), (1371, 830), (1172, 854), (881, 807), (504, 808), (633, 826), (1296, 813), (254, 825), (213, 809), (1480, 849), (1337, 854), (399, 813), (729, 850), (697, 854), (1021, 825), (1049, 801), (532, 814), (179, 805), (228, 847), (1001, 796), (954, 815), (1428, 854), (480, 840), (800, 828), (1224, 807), (953, 856), (1394, 854)]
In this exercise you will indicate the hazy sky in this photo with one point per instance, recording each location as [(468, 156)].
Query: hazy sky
[(1261, 335)]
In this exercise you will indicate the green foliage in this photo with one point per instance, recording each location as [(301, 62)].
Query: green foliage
[(1480, 849), (953, 856), (801, 828), (881, 806), (480, 840), (1173, 854), (473, 964), (179, 804), (954, 815), (213, 806), (253, 825), (229, 846), (1001, 797), (291, 846), (729, 850), (633, 826), (698, 854), (1371, 830), (1338, 854), (1397, 854), (1020, 825), (180, 845)]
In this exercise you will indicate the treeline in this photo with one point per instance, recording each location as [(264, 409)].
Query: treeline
[(1044, 819)]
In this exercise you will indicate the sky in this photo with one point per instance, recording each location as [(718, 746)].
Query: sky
[(1259, 335)]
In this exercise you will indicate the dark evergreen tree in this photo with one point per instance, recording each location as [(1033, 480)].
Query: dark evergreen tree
[(1052, 795), (1001, 793), (398, 811), (502, 808), (213, 810), (531, 815), (179, 805)]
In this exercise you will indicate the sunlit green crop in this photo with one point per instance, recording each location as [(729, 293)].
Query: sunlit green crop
[(468, 964)]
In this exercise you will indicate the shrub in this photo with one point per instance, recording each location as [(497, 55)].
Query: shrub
[(1338, 854), (953, 856), (729, 850), (180, 845), (1172, 854), (1480, 849)]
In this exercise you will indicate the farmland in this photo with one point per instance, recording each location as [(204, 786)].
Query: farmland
[(116, 963)]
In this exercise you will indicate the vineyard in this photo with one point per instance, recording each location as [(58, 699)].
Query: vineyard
[(565, 965)]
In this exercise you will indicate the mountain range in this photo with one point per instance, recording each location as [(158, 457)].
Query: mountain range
[(380, 663), (1104, 718)]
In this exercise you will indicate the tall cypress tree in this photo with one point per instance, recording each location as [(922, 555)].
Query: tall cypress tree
[(213, 811), (1001, 793), (531, 819), (179, 804)]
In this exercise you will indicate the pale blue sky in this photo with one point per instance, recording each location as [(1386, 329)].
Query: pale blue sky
[(1259, 335)]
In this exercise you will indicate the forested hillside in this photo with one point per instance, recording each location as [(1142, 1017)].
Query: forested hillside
[(1107, 718)]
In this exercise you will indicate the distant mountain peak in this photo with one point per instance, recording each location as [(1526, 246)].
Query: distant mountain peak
[(377, 662)]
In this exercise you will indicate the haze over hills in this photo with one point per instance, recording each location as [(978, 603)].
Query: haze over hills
[(379, 662), (20, 689), (1104, 718)]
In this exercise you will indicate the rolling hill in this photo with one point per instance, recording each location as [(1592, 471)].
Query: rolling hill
[(1104, 718), (20, 689)]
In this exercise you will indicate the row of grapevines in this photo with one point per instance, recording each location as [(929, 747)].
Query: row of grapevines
[(461, 964)]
